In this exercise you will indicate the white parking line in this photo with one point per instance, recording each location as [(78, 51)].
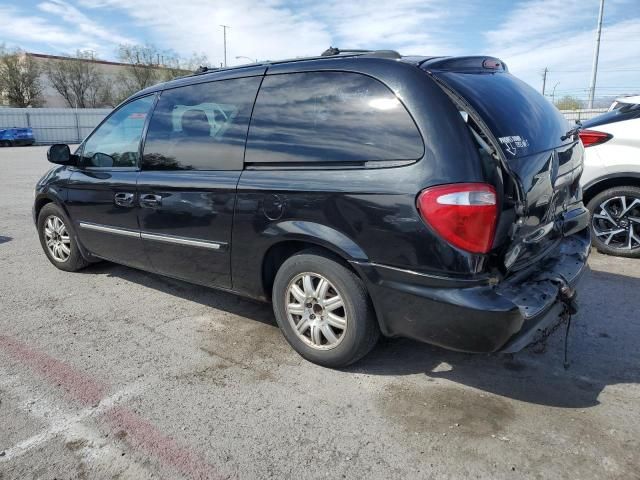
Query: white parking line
[(69, 425)]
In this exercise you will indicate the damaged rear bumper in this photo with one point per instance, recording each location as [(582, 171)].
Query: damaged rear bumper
[(471, 315)]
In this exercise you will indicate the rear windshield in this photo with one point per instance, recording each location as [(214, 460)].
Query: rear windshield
[(523, 121)]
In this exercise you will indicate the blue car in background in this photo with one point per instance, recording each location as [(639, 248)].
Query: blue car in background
[(16, 136)]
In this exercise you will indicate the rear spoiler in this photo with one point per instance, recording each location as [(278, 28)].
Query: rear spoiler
[(462, 64)]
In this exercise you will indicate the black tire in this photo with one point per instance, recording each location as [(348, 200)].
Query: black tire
[(361, 332), (5, 143), (74, 260), (598, 225)]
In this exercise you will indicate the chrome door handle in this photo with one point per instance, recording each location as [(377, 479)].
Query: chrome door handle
[(149, 200), (124, 199)]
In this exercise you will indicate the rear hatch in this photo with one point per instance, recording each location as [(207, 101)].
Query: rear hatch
[(527, 138)]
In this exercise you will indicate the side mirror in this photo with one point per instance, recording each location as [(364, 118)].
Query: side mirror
[(60, 154)]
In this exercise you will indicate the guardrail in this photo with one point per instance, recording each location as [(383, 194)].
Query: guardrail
[(54, 125)]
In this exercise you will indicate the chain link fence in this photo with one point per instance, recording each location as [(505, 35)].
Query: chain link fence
[(582, 114), (54, 125)]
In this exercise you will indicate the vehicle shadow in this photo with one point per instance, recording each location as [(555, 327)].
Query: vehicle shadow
[(218, 299), (602, 344), (4, 239), (602, 351)]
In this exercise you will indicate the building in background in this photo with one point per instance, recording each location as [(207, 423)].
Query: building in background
[(111, 72)]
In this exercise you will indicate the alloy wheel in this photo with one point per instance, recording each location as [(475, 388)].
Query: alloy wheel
[(616, 222), (316, 311), (57, 238)]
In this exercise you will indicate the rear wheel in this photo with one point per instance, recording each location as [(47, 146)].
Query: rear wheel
[(5, 143), (58, 239), (615, 221), (323, 310)]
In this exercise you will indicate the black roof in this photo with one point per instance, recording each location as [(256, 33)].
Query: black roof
[(261, 67), (332, 56)]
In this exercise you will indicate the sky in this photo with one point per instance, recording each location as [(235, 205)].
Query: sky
[(529, 35)]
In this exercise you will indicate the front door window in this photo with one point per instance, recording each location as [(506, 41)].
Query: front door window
[(116, 143)]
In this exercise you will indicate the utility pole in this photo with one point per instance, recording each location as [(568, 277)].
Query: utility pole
[(544, 79), (553, 93), (596, 52), (224, 33)]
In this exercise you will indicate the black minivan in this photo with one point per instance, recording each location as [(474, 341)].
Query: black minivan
[(360, 192)]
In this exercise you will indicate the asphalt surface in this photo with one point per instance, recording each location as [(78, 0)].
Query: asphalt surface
[(116, 373)]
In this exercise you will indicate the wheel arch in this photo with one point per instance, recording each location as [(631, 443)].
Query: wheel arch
[(295, 236), (589, 191), (45, 199), (39, 204)]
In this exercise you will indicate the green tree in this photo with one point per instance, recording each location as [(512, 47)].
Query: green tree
[(19, 79), (568, 103)]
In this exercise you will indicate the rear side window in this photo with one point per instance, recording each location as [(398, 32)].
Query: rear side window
[(200, 127), (329, 117)]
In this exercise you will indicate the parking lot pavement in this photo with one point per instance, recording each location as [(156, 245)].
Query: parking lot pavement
[(117, 373)]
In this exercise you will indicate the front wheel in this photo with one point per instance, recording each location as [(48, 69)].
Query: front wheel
[(323, 310), (58, 239), (615, 221)]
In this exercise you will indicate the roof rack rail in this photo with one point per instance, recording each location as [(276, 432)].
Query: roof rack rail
[(204, 69), (332, 51)]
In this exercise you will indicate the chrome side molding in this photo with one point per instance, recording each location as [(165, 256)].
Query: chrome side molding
[(105, 229), (181, 240), (190, 242)]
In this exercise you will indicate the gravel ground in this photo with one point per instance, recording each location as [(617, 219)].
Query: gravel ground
[(117, 373)]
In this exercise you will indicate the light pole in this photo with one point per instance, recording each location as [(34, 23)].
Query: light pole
[(254, 60), (224, 33), (594, 68)]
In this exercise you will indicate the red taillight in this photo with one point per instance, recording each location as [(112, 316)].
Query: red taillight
[(464, 214), (590, 138)]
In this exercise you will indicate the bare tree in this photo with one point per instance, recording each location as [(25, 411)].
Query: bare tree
[(79, 81), (173, 67), (19, 79), (146, 65), (141, 70)]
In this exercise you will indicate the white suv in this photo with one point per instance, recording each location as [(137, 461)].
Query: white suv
[(611, 178)]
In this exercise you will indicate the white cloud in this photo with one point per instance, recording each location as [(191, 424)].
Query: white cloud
[(272, 29), (263, 30), (534, 34), (560, 35), (409, 26), (69, 31), (17, 28), (82, 23)]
